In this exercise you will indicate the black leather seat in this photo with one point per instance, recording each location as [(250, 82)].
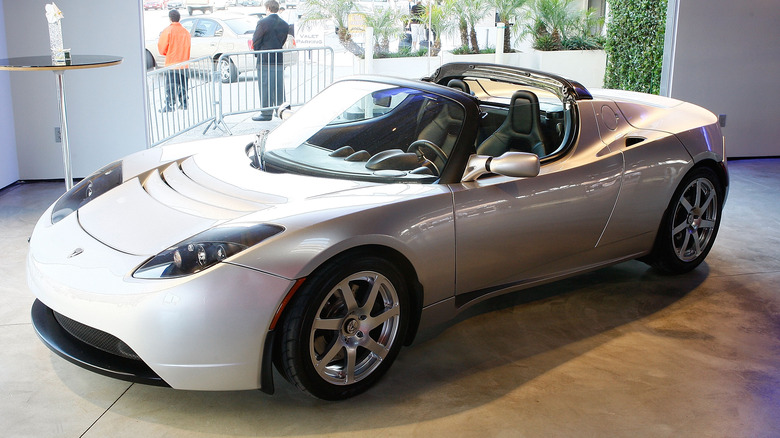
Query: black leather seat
[(459, 85), (520, 130), (440, 123)]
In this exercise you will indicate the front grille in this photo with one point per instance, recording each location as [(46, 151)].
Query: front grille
[(96, 338)]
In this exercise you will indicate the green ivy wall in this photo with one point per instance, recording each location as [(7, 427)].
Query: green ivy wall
[(635, 45)]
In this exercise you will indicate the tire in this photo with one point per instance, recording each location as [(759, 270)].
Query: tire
[(336, 345), (227, 71), (189, 10), (149, 60), (690, 223)]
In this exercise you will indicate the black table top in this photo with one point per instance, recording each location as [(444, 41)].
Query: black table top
[(45, 62)]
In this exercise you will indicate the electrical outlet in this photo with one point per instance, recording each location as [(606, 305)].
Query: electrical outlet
[(58, 134), (722, 120)]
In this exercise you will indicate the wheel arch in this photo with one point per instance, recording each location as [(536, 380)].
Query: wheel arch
[(416, 292), (271, 351)]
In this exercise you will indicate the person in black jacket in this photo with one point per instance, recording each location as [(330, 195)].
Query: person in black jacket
[(270, 34)]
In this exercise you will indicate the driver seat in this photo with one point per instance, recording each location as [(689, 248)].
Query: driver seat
[(442, 122), (520, 130)]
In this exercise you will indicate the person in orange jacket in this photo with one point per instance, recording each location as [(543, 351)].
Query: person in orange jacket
[(174, 44)]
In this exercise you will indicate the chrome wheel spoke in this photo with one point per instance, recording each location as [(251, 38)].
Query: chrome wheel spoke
[(376, 285), (681, 251), (686, 205), (679, 228), (384, 317), (708, 201), (334, 350), (349, 372), (374, 347), (347, 294), (707, 224), (327, 324)]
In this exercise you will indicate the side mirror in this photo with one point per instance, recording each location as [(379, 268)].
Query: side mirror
[(284, 111), (514, 164)]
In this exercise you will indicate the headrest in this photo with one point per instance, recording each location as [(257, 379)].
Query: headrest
[(460, 85), (523, 110)]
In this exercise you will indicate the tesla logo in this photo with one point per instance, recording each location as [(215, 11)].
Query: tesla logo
[(75, 252)]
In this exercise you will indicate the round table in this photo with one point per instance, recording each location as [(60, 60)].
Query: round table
[(33, 63)]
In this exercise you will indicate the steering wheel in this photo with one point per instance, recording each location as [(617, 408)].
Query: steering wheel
[(417, 147)]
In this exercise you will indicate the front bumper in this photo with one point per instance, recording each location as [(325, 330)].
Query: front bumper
[(85, 355), (202, 332)]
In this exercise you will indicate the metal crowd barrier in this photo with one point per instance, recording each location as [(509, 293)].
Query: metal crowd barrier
[(230, 86), (172, 114), (306, 72)]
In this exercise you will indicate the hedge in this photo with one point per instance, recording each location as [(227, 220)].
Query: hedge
[(635, 45)]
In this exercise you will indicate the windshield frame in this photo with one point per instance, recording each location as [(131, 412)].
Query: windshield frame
[(311, 118)]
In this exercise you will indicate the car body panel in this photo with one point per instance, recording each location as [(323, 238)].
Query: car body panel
[(175, 325), (598, 199)]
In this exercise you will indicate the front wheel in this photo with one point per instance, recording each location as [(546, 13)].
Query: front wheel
[(227, 71), (690, 223), (345, 327)]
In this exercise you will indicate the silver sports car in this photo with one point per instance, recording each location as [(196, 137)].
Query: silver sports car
[(379, 207)]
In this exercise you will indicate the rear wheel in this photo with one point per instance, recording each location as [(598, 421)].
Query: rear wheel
[(345, 327), (690, 223)]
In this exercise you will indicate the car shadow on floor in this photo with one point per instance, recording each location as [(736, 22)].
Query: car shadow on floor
[(486, 353)]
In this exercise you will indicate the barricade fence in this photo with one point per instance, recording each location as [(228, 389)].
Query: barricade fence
[(180, 97), (239, 82), (263, 80)]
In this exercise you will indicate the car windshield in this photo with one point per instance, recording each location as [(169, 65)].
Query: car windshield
[(368, 131), (241, 25)]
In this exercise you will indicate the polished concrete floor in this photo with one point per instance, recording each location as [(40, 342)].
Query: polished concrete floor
[(621, 352)]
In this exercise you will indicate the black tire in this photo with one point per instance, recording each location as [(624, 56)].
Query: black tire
[(357, 336), (227, 71), (189, 10), (690, 223), (149, 60)]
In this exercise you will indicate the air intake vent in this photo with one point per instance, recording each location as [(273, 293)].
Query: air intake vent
[(96, 338)]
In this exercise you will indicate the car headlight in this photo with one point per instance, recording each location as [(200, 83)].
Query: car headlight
[(205, 250), (88, 189)]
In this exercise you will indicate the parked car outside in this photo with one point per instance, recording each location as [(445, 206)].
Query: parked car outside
[(214, 35), (380, 207), (153, 4), (175, 4), (199, 5)]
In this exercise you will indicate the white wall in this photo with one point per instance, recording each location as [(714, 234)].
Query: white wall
[(9, 164), (726, 58), (106, 116)]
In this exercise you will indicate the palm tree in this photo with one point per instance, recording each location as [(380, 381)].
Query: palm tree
[(509, 11), (386, 23), (550, 20), (440, 18), (469, 12), (459, 9), (336, 10)]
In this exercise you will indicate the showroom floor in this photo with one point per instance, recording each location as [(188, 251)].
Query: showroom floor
[(622, 351)]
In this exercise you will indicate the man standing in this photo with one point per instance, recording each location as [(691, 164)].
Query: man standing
[(270, 34), (174, 44), (416, 25)]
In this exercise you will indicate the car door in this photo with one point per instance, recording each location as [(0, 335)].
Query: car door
[(206, 35), (515, 231)]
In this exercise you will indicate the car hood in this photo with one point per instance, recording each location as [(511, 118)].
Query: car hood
[(178, 199)]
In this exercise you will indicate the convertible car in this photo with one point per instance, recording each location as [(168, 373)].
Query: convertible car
[(380, 207)]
